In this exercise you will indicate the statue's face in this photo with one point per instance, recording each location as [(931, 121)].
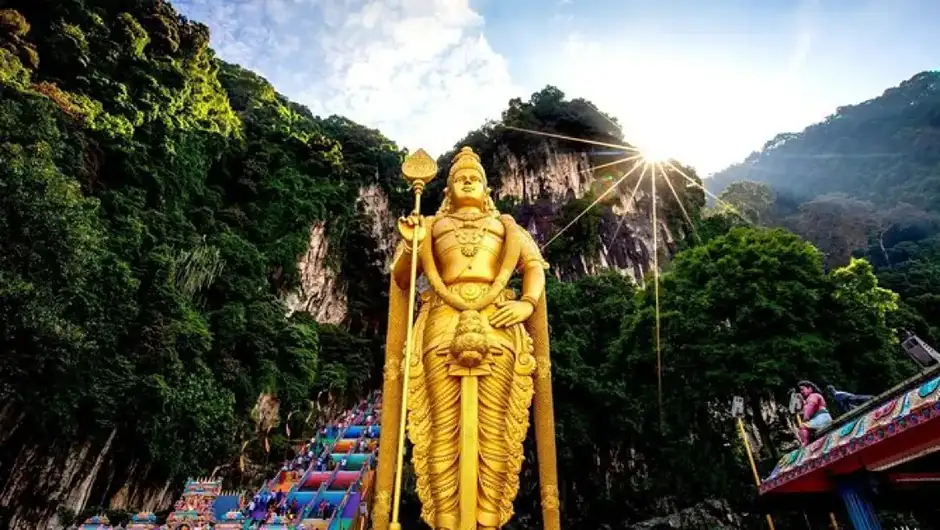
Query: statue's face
[(467, 188)]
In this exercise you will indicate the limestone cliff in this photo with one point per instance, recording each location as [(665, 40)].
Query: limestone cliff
[(47, 480), (544, 181), (323, 285), (541, 186), (320, 292)]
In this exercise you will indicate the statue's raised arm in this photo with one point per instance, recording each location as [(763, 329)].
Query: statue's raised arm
[(479, 353)]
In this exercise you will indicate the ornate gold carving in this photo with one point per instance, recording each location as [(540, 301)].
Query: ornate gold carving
[(469, 236), (419, 168), (470, 343), (467, 374), (382, 503), (392, 369), (543, 369), (465, 160), (470, 291), (550, 497), (469, 217)]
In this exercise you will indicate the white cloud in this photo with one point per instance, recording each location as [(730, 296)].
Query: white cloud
[(421, 71)]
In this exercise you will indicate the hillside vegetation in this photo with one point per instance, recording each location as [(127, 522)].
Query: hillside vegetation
[(885, 150), (155, 201), (866, 183)]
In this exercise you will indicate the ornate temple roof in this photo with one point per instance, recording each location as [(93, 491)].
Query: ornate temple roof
[(898, 425)]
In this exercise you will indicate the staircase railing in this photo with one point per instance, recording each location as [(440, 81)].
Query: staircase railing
[(329, 481), (353, 487)]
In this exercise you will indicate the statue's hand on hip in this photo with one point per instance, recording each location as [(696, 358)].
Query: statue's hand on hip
[(510, 313)]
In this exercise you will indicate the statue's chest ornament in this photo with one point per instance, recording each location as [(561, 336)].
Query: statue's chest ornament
[(469, 237), (470, 232)]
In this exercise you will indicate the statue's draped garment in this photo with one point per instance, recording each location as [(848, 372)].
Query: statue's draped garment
[(470, 384), (518, 362)]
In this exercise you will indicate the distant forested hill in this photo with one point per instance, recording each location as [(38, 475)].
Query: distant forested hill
[(884, 150), (192, 266), (864, 182)]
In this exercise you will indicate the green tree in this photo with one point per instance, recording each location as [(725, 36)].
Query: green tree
[(752, 200)]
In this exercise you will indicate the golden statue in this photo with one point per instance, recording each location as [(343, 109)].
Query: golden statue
[(477, 356)]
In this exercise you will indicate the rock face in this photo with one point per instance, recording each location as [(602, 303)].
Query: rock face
[(320, 292), (544, 180), (714, 515), (541, 182), (373, 206), (40, 481), (546, 173)]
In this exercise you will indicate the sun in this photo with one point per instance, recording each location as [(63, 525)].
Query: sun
[(653, 137), (654, 153)]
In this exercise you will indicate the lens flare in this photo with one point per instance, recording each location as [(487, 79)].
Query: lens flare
[(655, 161)]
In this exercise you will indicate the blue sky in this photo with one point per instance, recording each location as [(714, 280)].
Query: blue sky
[(705, 81)]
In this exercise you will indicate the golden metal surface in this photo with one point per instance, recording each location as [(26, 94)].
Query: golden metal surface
[(470, 359), (750, 459), (419, 167)]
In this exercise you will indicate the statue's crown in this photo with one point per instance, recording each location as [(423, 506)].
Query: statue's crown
[(466, 159)]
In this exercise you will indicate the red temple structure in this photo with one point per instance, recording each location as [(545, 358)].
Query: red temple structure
[(885, 452)]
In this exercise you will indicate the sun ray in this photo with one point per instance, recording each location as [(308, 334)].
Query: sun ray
[(685, 213), (659, 354), (710, 194), (632, 195), (614, 163), (573, 138), (594, 203), (652, 165)]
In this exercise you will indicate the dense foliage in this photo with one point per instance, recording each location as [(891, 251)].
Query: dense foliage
[(749, 313), (154, 203), (861, 183)]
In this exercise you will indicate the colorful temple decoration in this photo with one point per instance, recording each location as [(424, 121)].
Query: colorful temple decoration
[(233, 520), (98, 522), (194, 509), (881, 453), (326, 487), (848, 437), (143, 521)]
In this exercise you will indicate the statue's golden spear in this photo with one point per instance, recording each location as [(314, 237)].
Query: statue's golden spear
[(418, 169)]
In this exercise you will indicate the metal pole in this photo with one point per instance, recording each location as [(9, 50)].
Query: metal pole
[(750, 458), (409, 338)]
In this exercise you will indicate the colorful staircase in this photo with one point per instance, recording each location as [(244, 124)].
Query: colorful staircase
[(351, 444), (341, 491)]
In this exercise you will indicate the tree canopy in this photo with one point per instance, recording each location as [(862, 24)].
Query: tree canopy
[(155, 202)]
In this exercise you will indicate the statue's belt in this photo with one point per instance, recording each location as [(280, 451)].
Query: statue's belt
[(468, 292)]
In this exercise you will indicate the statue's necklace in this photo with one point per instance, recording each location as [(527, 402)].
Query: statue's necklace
[(470, 232)]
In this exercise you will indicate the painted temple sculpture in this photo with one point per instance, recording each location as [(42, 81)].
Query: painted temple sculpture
[(815, 414), (885, 451), (472, 361)]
